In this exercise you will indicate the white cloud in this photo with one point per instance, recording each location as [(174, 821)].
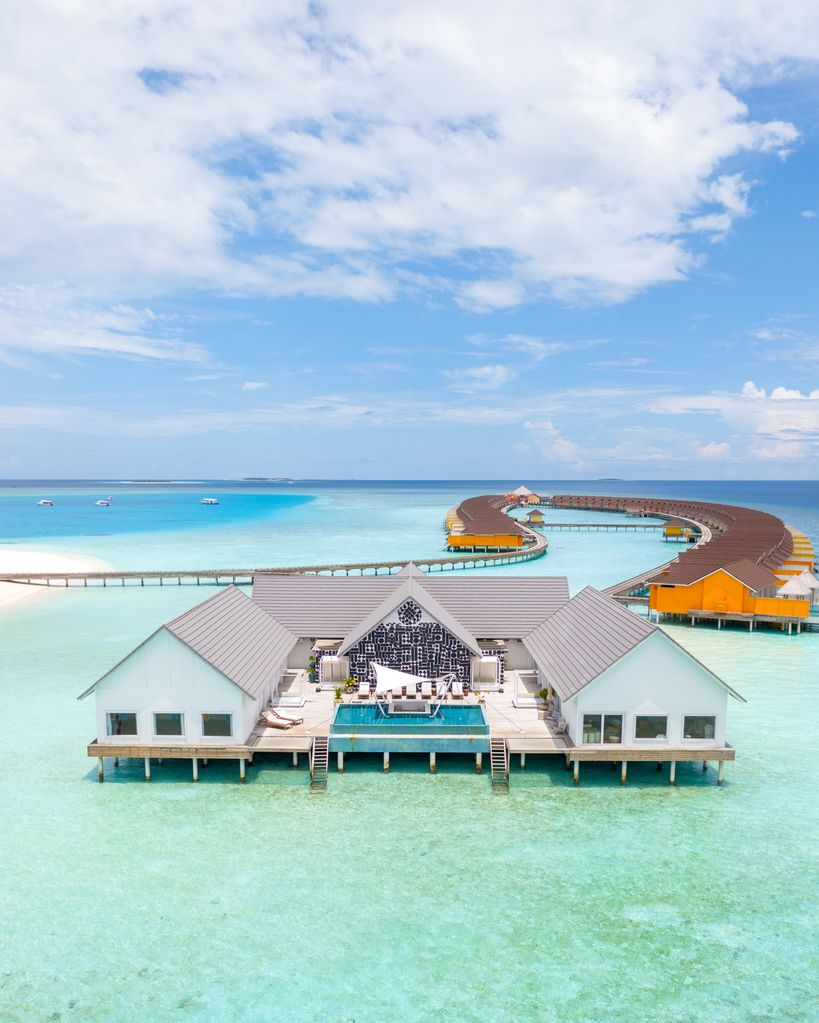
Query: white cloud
[(550, 444), (714, 450), (750, 390), (479, 378), (490, 152), (808, 214), (253, 385)]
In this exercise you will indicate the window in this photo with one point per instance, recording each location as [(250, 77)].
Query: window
[(613, 728), (120, 723), (602, 728), (699, 727), (217, 724), (168, 724), (592, 725), (650, 727)]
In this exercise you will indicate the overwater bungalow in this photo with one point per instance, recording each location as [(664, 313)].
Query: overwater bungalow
[(410, 663)]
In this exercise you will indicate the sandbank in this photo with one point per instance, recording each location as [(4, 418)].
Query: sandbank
[(16, 558)]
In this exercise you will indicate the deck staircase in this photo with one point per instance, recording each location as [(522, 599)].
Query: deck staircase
[(499, 764), (319, 758)]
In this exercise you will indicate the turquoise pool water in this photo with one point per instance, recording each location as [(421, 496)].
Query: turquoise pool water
[(363, 728), (259, 903)]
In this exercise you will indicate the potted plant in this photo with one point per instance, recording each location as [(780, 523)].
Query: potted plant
[(311, 669), (350, 685), (544, 695), (339, 692)]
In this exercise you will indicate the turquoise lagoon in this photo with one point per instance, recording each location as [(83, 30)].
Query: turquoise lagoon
[(408, 896)]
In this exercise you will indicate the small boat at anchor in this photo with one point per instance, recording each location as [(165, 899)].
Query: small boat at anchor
[(209, 500), (46, 503), (103, 504)]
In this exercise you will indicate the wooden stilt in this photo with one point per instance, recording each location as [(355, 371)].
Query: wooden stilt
[(100, 769), (721, 772), (478, 763), (241, 768), (704, 766), (386, 763), (116, 761), (147, 768), (623, 771), (195, 768), (576, 777), (205, 762), (672, 772), (659, 765), (432, 763), (340, 762)]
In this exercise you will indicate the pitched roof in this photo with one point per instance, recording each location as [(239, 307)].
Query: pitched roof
[(749, 573), (499, 607), (587, 635), (234, 635), (411, 588)]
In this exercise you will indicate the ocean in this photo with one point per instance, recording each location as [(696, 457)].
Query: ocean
[(408, 896)]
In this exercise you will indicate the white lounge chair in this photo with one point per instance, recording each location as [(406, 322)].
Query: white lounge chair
[(397, 690), (426, 689), (457, 689), (411, 690), (381, 689), (364, 690), (273, 721), (295, 719)]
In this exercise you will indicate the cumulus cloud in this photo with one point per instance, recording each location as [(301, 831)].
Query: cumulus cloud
[(714, 450), (253, 385), (550, 443), (487, 152)]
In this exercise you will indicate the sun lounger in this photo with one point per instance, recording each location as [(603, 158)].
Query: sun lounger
[(295, 719), (397, 691), (381, 690), (457, 689), (273, 721), (426, 689), (363, 690), (411, 690)]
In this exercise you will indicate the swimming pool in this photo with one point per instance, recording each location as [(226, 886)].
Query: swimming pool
[(365, 729)]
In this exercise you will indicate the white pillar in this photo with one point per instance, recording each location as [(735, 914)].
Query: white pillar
[(478, 762), (100, 769), (386, 762), (522, 761), (721, 772), (623, 771), (432, 764), (576, 778), (195, 768), (295, 759), (241, 768), (147, 768), (340, 761), (672, 772)]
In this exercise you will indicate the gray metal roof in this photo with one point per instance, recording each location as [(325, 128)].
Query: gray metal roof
[(411, 588), (237, 637), (587, 635), (501, 607), (232, 634)]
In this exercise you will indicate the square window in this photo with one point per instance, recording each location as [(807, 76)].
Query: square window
[(592, 724), (650, 727), (613, 728), (120, 723), (217, 724), (168, 724), (699, 727)]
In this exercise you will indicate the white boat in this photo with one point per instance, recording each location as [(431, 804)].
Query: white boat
[(103, 504), (209, 500), (109, 498), (46, 502)]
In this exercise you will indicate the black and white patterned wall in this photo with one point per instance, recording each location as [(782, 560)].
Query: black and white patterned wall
[(409, 640)]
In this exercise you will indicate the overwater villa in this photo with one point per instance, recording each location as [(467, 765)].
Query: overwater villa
[(333, 665)]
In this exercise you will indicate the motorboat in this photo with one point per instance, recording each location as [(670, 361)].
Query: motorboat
[(46, 503), (209, 500), (103, 504)]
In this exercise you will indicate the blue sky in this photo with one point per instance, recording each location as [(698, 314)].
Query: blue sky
[(418, 242)]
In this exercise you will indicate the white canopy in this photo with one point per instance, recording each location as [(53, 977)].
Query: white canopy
[(522, 492), (393, 677), (809, 580), (794, 588)]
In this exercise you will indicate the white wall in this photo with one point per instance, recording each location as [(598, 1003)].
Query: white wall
[(164, 675), (657, 678), (300, 654), (517, 656)]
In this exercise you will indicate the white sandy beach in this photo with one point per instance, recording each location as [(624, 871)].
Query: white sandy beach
[(24, 559)]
